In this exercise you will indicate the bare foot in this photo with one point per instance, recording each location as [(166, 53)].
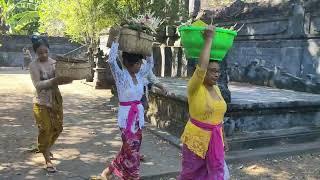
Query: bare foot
[(106, 174)]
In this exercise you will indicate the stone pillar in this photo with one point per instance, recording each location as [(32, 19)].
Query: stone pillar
[(180, 63), (157, 56), (168, 62), (296, 21), (194, 7)]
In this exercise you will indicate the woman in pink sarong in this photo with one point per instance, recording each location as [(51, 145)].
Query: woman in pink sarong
[(203, 142), (129, 82)]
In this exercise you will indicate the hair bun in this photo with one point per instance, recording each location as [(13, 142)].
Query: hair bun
[(37, 39), (34, 39)]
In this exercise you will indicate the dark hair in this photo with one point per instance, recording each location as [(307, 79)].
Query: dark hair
[(131, 58), (214, 61), (38, 41)]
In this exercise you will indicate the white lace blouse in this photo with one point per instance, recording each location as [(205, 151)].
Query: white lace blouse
[(127, 90)]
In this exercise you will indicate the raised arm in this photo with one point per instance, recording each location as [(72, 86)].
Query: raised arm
[(113, 54), (201, 69), (205, 54)]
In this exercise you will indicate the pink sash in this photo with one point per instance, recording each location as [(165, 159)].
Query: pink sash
[(215, 150), (132, 115)]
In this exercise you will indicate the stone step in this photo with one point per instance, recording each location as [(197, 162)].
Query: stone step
[(286, 149), (252, 155), (242, 156), (251, 140)]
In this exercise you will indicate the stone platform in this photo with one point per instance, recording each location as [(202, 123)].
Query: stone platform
[(257, 116)]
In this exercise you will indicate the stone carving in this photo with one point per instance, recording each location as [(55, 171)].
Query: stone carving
[(233, 125), (229, 126), (100, 59), (315, 25), (236, 72), (257, 73), (296, 21)]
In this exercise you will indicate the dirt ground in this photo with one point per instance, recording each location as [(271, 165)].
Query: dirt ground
[(300, 167), (91, 138)]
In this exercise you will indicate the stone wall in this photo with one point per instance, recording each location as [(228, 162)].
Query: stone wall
[(254, 110), (278, 46), (11, 49)]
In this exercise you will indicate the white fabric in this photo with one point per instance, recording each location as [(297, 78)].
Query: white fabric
[(226, 172), (127, 90)]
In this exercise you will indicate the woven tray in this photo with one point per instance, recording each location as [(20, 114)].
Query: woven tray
[(132, 41), (75, 69)]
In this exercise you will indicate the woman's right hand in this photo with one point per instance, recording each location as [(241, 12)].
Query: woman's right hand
[(209, 32), (118, 33)]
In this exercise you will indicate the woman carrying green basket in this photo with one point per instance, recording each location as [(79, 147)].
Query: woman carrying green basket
[(203, 142)]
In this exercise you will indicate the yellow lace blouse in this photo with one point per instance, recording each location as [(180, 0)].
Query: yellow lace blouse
[(204, 108)]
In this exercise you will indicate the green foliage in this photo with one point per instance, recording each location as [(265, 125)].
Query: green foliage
[(82, 20), (221, 3), (20, 16)]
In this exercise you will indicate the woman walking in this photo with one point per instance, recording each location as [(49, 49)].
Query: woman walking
[(203, 142), (47, 102), (129, 82)]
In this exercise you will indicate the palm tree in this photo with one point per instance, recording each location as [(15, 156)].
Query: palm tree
[(5, 10), (19, 15)]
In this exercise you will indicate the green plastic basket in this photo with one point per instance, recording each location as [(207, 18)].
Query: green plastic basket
[(193, 42)]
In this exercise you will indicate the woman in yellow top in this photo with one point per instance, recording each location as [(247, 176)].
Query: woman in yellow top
[(203, 146)]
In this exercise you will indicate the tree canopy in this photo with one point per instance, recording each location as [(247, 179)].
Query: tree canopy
[(81, 20)]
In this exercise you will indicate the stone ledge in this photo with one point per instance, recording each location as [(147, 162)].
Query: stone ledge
[(252, 109), (250, 97)]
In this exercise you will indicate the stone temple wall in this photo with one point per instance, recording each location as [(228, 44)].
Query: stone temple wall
[(11, 48), (278, 46)]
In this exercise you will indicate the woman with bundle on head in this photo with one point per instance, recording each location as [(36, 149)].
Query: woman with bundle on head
[(203, 142), (47, 102), (129, 82)]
